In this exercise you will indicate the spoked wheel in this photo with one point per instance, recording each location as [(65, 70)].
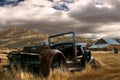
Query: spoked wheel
[(58, 62)]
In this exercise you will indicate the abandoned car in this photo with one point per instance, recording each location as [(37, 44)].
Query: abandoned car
[(56, 53)]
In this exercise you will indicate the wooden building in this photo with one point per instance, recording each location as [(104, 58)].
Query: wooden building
[(105, 44)]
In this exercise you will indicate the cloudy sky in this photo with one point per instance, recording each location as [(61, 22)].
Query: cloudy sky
[(84, 17)]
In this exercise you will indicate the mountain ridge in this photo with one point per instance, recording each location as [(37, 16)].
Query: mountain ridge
[(18, 37)]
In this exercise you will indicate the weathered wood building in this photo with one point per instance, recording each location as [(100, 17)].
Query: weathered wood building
[(105, 44)]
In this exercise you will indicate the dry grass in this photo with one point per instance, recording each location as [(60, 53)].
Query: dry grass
[(110, 70)]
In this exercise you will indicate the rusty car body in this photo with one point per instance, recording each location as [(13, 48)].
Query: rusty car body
[(41, 57)]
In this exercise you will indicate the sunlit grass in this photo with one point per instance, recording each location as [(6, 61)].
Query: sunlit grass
[(109, 70)]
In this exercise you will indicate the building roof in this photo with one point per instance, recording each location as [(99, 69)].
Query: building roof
[(111, 41), (100, 46), (104, 45)]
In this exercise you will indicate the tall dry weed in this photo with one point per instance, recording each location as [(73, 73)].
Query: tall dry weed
[(109, 70)]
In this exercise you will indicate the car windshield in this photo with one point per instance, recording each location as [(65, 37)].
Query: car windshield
[(65, 42), (62, 38)]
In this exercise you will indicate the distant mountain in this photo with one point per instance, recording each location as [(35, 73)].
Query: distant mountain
[(17, 32), (19, 37)]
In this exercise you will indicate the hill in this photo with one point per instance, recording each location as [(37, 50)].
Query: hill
[(19, 37)]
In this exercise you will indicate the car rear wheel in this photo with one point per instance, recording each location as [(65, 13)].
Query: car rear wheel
[(58, 62)]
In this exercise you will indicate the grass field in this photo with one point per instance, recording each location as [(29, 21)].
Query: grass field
[(109, 70)]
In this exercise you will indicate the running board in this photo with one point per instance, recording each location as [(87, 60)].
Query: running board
[(75, 69)]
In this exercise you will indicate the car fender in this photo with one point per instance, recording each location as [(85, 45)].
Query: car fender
[(46, 57)]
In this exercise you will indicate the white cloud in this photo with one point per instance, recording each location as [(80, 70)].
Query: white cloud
[(86, 18)]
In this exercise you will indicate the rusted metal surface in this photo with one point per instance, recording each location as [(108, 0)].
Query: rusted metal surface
[(47, 58)]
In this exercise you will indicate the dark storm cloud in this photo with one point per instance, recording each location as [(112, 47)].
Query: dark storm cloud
[(57, 26), (87, 29), (43, 25), (92, 14), (86, 19)]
